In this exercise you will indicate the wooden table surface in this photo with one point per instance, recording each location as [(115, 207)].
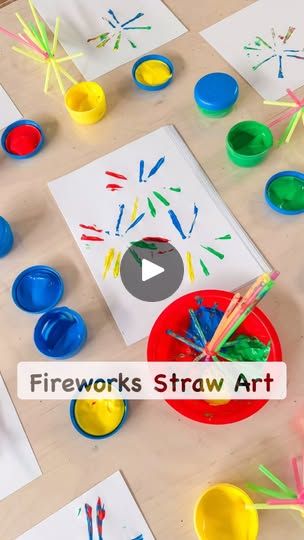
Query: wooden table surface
[(167, 460)]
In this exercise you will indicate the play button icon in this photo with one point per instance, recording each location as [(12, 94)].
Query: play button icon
[(152, 269)]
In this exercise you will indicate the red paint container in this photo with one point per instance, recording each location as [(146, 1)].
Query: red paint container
[(162, 347), (22, 139)]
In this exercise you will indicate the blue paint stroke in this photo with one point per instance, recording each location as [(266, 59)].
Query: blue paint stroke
[(133, 19), (209, 319), (121, 211), (195, 212), (292, 50), (111, 12), (158, 165), (141, 169), (176, 223), (281, 74), (295, 56), (89, 510), (140, 537), (135, 222)]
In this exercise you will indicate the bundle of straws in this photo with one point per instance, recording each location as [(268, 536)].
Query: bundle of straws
[(36, 46), (235, 314), (286, 498), (295, 114)]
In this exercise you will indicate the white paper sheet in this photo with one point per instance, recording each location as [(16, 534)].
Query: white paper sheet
[(123, 519), (84, 20), (8, 111), (84, 200), (265, 43), (18, 465)]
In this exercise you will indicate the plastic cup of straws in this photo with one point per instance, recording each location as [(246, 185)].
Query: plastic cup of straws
[(153, 72), (248, 143), (60, 333), (216, 94), (284, 192), (6, 237), (98, 419), (23, 139), (86, 102), (223, 512)]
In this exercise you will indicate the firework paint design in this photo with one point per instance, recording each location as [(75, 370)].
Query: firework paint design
[(117, 30), (274, 49)]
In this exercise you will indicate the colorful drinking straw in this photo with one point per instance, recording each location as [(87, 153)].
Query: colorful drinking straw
[(36, 45), (294, 115)]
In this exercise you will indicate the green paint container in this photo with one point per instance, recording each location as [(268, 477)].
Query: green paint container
[(248, 143), (284, 192)]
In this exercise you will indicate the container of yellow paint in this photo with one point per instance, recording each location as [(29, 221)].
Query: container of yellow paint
[(153, 72), (86, 102), (223, 513), (98, 418)]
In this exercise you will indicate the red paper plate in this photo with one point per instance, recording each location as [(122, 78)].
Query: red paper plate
[(162, 347)]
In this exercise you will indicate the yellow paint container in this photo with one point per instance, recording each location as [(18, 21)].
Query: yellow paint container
[(221, 514), (153, 72), (86, 102), (98, 419)]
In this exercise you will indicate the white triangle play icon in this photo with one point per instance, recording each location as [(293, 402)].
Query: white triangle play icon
[(149, 270)]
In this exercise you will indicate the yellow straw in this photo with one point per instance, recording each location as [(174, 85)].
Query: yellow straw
[(299, 507), (56, 33), (28, 54), (36, 18), (27, 29), (32, 37), (281, 104), (70, 57), (47, 77), (297, 118), (190, 266), (66, 74), (58, 77)]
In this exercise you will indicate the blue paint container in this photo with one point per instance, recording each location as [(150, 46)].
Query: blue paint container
[(216, 93), (148, 87), (6, 237), (60, 333), (23, 139), (284, 192), (37, 289)]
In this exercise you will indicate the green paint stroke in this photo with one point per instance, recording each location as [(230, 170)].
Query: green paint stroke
[(226, 237), (144, 245), (133, 45), (151, 208), (117, 43), (161, 198), (176, 189), (204, 268), (214, 252), (260, 41), (136, 257), (79, 512)]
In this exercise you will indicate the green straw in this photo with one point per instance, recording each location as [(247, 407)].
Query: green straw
[(285, 489), (269, 492)]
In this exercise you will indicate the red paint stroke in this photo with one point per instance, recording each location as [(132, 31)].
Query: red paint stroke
[(90, 227), (116, 175), (113, 187), (155, 239), (91, 238), (164, 252)]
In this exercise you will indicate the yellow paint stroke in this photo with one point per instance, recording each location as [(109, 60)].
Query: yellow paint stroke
[(116, 270), (190, 268), (107, 262), (134, 211)]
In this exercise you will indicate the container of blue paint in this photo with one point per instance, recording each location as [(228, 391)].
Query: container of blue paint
[(216, 94), (37, 289), (60, 333), (6, 237)]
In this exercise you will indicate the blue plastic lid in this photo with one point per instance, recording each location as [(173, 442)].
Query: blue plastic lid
[(216, 91), (6, 237), (60, 333), (148, 87), (18, 124), (37, 289), (283, 174)]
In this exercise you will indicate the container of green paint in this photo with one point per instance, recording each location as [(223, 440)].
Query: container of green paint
[(284, 192), (248, 143), (216, 93)]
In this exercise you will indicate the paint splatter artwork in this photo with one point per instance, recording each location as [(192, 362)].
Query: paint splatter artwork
[(265, 43), (118, 31), (110, 33), (275, 49), (108, 511), (144, 196)]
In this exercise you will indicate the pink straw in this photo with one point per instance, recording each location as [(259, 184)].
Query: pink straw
[(284, 117), (294, 97), (296, 473), (23, 41), (28, 41)]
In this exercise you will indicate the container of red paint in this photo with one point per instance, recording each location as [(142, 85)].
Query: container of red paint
[(22, 139)]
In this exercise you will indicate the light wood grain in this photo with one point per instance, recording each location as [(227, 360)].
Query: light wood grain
[(167, 460)]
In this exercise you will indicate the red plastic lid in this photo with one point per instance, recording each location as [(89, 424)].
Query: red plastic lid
[(162, 347), (23, 140)]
